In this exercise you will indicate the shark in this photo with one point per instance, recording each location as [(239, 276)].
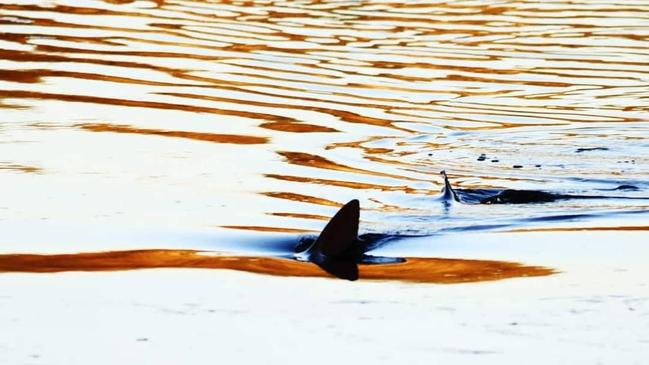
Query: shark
[(522, 196), (336, 247), (339, 248)]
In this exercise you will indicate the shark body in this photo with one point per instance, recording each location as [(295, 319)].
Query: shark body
[(516, 196), (339, 248)]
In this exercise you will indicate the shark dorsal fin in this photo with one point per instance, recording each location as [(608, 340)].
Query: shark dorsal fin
[(340, 234), (448, 194)]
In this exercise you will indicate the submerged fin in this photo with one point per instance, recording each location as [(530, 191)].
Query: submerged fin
[(510, 196), (340, 234), (342, 269), (448, 194)]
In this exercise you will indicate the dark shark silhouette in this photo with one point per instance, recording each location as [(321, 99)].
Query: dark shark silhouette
[(513, 196), (448, 193), (339, 249), (331, 250)]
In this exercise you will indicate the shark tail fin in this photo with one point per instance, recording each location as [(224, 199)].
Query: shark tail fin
[(340, 234)]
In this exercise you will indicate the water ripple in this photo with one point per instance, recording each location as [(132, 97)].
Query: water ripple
[(318, 102)]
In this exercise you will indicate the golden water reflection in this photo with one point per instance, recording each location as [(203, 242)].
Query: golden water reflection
[(208, 137), (310, 104), (423, 270)]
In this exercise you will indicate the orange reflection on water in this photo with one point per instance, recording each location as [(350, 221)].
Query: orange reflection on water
[(306, 159), (285, 126), (421, 270), (348, 184), (303, 198), (209, 137), (19, 168), (19, 76), (270, 229), (301, 216), (398, 90)]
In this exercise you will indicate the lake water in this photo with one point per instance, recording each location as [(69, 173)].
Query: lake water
[(190, 116), (235, 126)]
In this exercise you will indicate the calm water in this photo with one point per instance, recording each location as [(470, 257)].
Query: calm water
[(183, 117)]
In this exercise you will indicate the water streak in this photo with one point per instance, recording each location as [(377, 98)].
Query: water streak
[(423, 270)]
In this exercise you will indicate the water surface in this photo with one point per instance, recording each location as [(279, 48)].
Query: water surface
[(190, 118)]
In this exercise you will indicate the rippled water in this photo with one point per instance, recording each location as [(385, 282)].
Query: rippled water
[(266, 116)]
